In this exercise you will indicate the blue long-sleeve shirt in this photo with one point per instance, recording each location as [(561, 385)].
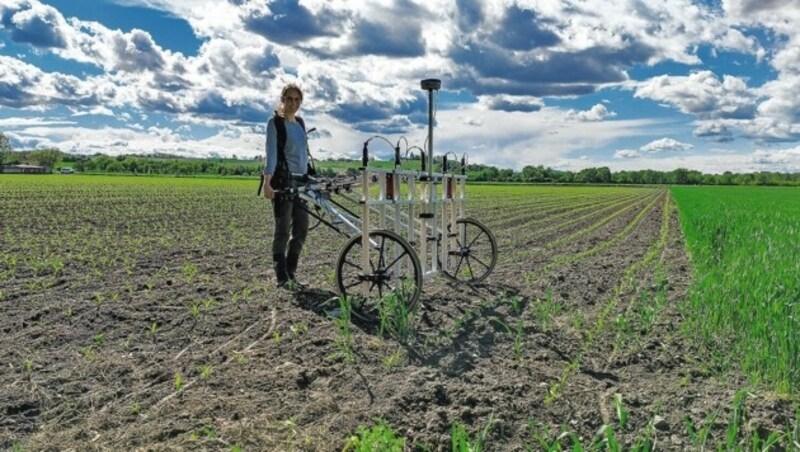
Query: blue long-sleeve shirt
[(295, 148)]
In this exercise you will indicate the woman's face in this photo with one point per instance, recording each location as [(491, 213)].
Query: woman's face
[(291, 101)]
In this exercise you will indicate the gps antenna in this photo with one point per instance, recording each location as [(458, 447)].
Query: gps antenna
[(430, 85)]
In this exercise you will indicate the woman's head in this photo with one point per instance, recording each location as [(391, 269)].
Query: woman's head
[(292, 90), (291, 98)]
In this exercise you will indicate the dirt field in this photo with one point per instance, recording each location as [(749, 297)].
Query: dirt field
[(179, 340)]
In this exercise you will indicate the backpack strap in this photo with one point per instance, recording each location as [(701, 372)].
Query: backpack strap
[(280, 127)]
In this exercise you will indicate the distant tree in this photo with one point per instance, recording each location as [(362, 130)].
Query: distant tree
[(603, 175), (5, 148), (679, 176), (46, 157)]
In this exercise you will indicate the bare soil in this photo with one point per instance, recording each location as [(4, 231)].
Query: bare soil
[(91, 362)]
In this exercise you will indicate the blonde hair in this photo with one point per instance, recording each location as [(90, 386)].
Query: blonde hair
[(286, 89)]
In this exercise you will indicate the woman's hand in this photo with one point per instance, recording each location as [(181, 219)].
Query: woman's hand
[(267, 190)]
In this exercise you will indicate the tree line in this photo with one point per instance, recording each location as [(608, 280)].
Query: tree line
[(171, 165)]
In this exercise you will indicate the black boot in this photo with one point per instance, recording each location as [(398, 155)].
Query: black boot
[(279, 261), (291, 269)]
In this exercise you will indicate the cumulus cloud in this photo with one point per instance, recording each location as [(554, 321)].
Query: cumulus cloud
[(714, 130), (288, 22), (661, 145), (512, 103), (136, 51), (521, 30), (702, 94), (598, 112), (627, 154), (34, 23), (24, 85), (789, 159), (666, 144)]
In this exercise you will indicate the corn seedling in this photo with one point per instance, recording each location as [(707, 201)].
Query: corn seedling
[(795, 436), (298, 328), (622, 414), (393, 360), (461, 440), (379, 437), (344, 331), (644, 443), (195, 311), (515, 303), (27, 366), (276, 336), (205, 371), (699, 437), (246, 292), (291, 425), (611, 439), (88, 353), (395, 317), (209, 433), (732, 433), (178, 383), (98, 299), (543, 438), (189, 272), (238, 358), (99, 339), (517, 333)]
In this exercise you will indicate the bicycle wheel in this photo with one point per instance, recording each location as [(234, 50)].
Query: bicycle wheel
[(475, 254), (393, 269)]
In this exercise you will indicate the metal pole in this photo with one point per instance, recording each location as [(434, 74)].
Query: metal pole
[(429, 218), (430, 133), (430, 85)]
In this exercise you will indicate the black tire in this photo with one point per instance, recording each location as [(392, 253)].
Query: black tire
[(475, 254), (394, 267)]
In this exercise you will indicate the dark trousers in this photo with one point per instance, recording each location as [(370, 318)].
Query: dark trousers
[(291, 226)]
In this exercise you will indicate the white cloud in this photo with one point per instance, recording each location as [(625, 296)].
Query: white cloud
[(665, 144), (785, 158), (653, 147), (702, 94), (627, 154), (98, 110), (9, 123), (598, 112)]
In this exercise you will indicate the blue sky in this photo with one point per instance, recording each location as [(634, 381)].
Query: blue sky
[(630, 84)]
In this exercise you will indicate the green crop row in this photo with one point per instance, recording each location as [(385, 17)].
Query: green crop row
[(744, 244)]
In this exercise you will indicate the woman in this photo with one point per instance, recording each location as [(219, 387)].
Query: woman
[(287, 163)]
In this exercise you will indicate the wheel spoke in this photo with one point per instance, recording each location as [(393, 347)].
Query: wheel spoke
[(352, 264), (396, 260), (477, 236), (471, 273), (381, 251), (458, 267), (349, 286), (479, 261)]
